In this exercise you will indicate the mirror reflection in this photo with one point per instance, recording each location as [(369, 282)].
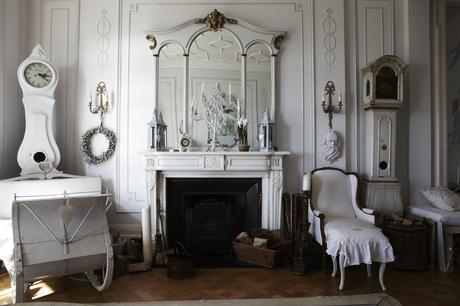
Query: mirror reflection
[(215, 89), (170, 80), (258, 88)]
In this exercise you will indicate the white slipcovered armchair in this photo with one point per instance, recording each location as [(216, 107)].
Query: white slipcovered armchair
[(341, 226)]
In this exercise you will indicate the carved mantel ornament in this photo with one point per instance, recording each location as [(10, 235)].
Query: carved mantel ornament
[(215, 20)]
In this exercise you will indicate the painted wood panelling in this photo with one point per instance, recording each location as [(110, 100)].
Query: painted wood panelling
[(11, 109), (294, 81), (330, 66), (60, 40), (369, 34), (2, 80)]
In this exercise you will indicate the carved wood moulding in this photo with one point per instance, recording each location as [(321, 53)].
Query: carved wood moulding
[(215, 20)]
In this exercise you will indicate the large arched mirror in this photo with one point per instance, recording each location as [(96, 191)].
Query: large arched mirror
[(258, 86), (228, 75), (170, 82), (215, 88)]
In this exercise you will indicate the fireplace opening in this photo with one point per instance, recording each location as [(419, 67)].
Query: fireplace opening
[(205, 214)]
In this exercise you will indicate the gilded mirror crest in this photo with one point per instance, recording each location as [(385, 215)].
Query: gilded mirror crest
[(216, 20)]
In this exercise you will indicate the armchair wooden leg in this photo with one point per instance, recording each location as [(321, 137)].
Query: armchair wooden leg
[(334, 266), (369, 270), (324, 263), (342, 271), (381, 272)]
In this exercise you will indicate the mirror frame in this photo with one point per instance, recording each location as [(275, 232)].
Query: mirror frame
[(184, 35)]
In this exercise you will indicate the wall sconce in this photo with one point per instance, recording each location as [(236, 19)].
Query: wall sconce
[(329, 91), (157, 132), (102, 101)]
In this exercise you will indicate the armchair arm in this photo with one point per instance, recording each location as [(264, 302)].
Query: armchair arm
[(368, 211), (318, 214), (366, 214), (316, 219)]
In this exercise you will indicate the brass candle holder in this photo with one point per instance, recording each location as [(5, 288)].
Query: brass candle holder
[(329, 108), (102, 101)]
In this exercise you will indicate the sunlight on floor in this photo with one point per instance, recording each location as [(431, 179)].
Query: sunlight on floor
[(5, 296), (42, 289)]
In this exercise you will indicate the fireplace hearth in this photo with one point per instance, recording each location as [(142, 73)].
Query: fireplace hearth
[(205, 214)]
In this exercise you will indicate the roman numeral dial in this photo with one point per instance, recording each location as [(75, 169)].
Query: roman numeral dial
[(38, 75)]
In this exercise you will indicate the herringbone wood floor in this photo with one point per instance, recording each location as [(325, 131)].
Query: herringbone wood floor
[(411, 288)]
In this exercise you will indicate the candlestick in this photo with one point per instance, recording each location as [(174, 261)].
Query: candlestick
[(340, 96), (306, 184)]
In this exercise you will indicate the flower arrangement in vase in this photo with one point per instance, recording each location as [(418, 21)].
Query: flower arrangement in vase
[(243, 134)]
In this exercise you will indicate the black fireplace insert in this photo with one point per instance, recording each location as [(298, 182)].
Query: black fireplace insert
[(205, 214)]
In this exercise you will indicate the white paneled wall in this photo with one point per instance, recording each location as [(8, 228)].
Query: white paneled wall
[(11, 110), (330, 66), (91, 41), (60, 41)]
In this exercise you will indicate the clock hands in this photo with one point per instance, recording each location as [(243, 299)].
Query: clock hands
[(44, 75)]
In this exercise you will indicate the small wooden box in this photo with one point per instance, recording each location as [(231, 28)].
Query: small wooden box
[(268, 258)]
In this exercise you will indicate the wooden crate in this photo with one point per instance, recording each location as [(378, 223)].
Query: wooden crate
[(268, 258)]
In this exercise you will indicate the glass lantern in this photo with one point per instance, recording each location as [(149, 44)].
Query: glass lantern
[(157, 132), (266, 132)]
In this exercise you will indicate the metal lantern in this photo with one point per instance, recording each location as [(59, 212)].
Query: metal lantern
[(157, 132), (266, 132)]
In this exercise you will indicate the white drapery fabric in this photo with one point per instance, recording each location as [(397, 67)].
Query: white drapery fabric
[(357, 240)]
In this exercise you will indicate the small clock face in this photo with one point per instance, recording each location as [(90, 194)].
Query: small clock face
[(38, 75), (185, 142)]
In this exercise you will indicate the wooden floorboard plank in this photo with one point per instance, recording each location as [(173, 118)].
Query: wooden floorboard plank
[(411, 288)]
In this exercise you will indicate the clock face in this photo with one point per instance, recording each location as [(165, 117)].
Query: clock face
[(38, 75), (185, 142)]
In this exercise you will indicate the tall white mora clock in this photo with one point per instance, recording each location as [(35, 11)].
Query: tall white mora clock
[(383, 96), (38, 80)]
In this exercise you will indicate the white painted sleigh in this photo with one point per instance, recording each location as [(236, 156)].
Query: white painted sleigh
[(57, 237)]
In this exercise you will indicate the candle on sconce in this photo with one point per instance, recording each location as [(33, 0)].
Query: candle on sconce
[(90, 99), (230, 91), (193, 106), (203, 88), (112, 98), (323, 98), (458, 176), (306, 183), (238, 107), (340, 96)]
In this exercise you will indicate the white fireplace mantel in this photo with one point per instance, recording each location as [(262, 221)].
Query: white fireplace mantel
[(265, 165)]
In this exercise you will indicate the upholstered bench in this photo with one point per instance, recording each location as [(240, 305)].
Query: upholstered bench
[(447, 224)]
